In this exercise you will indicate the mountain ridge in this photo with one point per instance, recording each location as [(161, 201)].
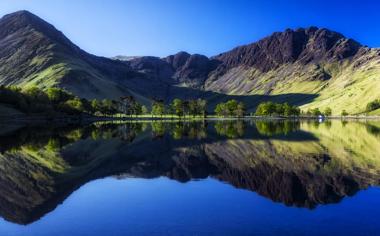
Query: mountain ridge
[(311, 61)]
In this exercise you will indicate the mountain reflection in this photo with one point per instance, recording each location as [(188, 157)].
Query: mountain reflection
[(300, 164)]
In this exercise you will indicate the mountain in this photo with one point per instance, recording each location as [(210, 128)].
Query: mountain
[(310, 67), (343, 73), (34, 53)]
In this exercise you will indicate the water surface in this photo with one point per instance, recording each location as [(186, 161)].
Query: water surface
[(196, 178)]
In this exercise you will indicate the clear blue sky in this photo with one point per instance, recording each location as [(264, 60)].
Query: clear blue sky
[(163, 27)]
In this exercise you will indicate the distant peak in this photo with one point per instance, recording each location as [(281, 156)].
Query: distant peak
[(23, 14), (22, 21), (23, 18)]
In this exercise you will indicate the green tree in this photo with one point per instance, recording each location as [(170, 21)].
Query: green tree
[(231, 107), (107, 107), (221, 109), (57, 95), (144, 110), (281, 109), (137, 109), (240, 109), (193, 107), (73, 106), (177, 107), (287, 110), (158, 108), (36, 94), (316, 112), (344, 113), (96, 105), (328, 111), (202, 106), (266, 109), (186, 107)]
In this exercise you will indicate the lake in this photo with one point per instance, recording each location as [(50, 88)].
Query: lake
[(237, 177)]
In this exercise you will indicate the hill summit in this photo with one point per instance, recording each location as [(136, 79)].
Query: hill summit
[(323, 65)]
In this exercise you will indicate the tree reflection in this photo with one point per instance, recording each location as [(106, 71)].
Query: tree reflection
[(270, 128), (190, 130), (158, 129), (230, 129), (323, 164)]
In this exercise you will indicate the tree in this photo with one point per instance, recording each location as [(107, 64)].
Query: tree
[(231, 107), (328, 111), (266, 109), (185, 107), (287, 109), (344, 113), (57, 95), (177, 107), (137, 109), (240, 109), (36, 94), (316, 112), (158, 108), (95, 105), (73, 106), (279, 108), (202, 106), (144, 110), (296, 111), (219, 109), (107, 107), (193, 107)]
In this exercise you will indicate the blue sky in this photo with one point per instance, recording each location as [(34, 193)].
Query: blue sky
[(163, 27)]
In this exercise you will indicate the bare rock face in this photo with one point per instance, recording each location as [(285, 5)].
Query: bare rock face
[(33, 52), (153, 67), (193, 69), (181, 68), (178, 60), (301, 45)]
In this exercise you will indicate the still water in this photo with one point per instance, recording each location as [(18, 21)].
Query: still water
[(199, 178)]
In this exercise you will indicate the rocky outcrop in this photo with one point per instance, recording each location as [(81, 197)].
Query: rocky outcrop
[(296, 62), (301, 45)]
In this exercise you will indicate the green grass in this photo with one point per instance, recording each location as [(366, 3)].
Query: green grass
[(352, 84), (374, 113)]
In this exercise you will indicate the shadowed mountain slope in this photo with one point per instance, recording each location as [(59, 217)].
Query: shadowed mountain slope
[(331, 69), (34, 53)]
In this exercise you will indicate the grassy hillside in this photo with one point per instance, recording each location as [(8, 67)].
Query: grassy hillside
[(353, 87), (311, 68), (348, 85)]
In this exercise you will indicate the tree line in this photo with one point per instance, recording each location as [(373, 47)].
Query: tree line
[(35, 100), (180, 108), (53, 100), (277, 109), (230, 108)]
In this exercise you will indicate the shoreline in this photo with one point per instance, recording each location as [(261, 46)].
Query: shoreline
[(85, 119)]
